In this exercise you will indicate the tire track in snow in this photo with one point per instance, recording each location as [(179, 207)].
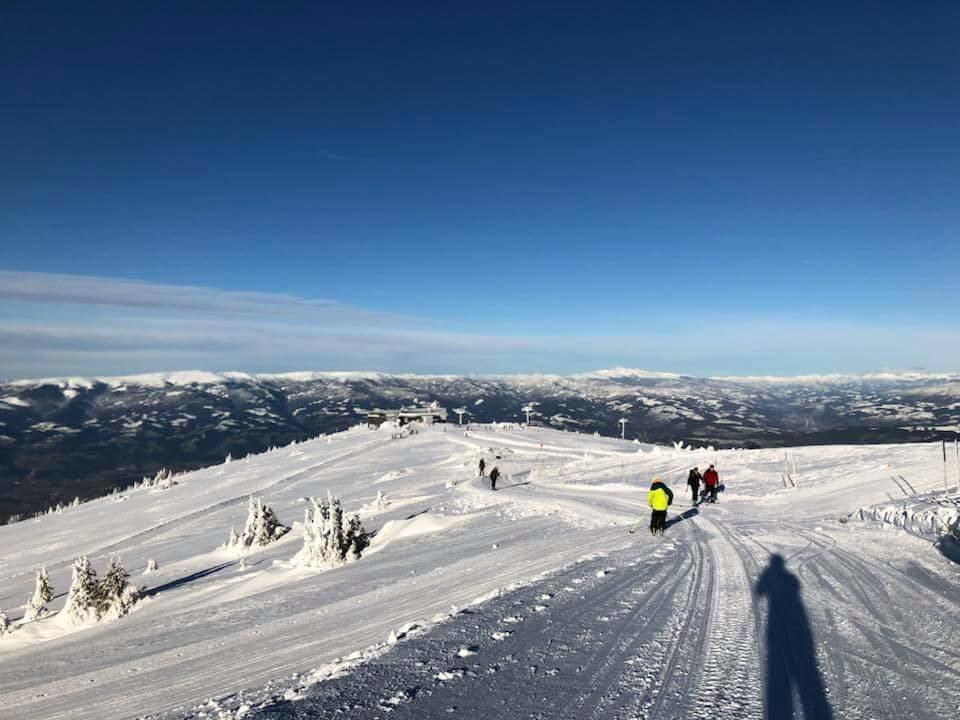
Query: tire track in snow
[(661, 676), (570, 640), (732, 679)]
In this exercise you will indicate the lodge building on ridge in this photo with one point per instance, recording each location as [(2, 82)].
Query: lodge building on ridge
[(407, 415)]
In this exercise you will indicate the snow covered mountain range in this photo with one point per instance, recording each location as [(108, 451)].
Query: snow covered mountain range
[(68, 437)]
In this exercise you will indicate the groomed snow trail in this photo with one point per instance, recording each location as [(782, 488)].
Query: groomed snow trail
[(705, 622), (675, 629)]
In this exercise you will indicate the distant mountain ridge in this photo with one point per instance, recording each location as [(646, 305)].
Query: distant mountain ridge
[(189, 377), (77, 436)]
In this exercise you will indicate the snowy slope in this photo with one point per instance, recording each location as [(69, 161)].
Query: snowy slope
[(637, 627), (80, 437)]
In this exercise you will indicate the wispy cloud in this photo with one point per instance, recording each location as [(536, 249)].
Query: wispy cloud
[(78, 289), (74, 325)]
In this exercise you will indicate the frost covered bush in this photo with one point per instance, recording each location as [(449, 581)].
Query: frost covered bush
[(152, 565), (4, 623), (82, 598), (115, 596), (329, 538), (90, 599), (382, 501), (261, 529), (163, 480), (42, 594)]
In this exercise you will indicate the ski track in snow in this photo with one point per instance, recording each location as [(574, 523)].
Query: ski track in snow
[(676, 633), (666, 627)]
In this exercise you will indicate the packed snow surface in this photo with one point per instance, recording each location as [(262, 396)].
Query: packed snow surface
[(531, 601)]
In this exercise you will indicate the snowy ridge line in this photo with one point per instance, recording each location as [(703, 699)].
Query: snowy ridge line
[(174, 522), (234, 706), (204, 377), (836, 378)]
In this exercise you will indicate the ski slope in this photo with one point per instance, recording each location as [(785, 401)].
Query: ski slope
[(530, 601)]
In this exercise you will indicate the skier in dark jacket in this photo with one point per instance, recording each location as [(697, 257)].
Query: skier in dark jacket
[(494, 474), (483, 465), (693, 480), (659, 498)]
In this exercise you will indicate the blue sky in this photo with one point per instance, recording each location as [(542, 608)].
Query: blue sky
[(709, 188)]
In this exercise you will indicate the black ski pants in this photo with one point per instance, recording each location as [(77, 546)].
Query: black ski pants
[(658, 521)]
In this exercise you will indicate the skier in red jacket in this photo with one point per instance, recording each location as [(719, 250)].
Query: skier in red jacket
[(711, 478)]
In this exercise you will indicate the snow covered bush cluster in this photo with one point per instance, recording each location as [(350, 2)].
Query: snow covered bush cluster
[(261, 529), (163, 480), (330, 539), (91, 599), (52, 510)]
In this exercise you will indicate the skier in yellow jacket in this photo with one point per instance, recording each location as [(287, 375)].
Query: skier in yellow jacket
[(659, 498)]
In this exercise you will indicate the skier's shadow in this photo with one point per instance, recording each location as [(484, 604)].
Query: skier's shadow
[(692, 512), (791, 661)]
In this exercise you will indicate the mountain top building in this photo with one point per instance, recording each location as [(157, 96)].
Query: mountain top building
[(407, 415)]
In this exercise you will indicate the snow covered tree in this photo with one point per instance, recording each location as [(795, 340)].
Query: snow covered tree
[(382, 501), (329, 540), (152, 565), (261, 529), (42, 594), (233, 540), (357, 539), (4, 623), (82, 599), (115, 596), (266, 527)]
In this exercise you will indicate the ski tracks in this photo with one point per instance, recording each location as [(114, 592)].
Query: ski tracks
[(662, 630), (730, 683), (669, 628)]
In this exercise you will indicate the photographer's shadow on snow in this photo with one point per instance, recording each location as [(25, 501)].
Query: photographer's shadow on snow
[(791, 662)]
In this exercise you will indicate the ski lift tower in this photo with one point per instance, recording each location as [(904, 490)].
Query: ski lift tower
[(460, 413), (623, 428), (527, 409)]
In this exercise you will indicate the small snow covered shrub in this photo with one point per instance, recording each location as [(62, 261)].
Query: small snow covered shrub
[(115, 596), (4, 623), (261, 529), (329, 538), (382, 501), (82, 599), (42, 594), (152, 565)]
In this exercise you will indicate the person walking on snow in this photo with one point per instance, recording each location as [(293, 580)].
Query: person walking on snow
[(693, 480), (494, 474), (711, 478), (483, 464), (659, 498)]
